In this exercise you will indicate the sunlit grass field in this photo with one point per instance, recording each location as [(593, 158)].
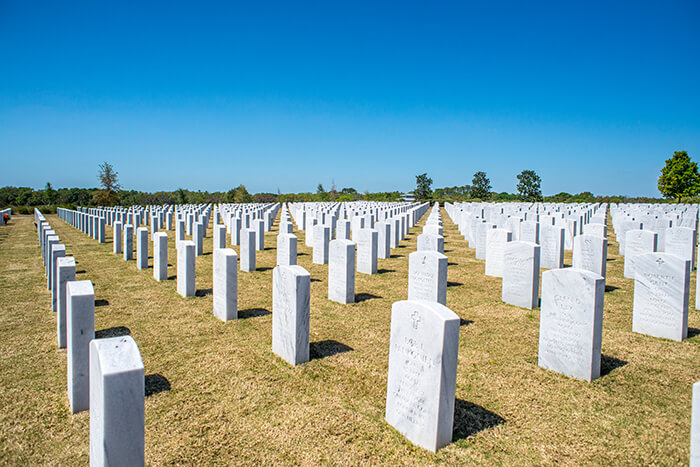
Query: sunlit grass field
[(216, 394)]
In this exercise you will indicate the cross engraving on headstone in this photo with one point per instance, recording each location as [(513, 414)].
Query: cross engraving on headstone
[(415, 317)]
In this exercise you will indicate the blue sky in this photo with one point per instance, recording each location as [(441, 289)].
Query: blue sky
[(593, 96)]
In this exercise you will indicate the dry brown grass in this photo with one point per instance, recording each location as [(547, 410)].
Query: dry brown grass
[(232, 401)]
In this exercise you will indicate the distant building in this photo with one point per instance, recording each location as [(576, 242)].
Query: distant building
[(408, 197)]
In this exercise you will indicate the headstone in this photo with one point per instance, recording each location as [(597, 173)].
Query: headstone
[(259, 226), (235, 231), (590, 253), (291, 313), (225, 284), (521, 274), (160, 256), (551, 247), (624, 227), (422, 374), (128, 242), (286, 249), (571, 322), (661, 291), (101, 229), (179, 231), (530, 232), (51, 241), (142, 248), (57, 251), (637, 242), (219, 236), (427, 276), (117, 392), (367, 251), (185, 268), (80, 313), (117, 237), (431, 242), (482, 229), (681, 241), (321, 238), (342, 229), (383, 239), (597, 230), (247, 250), (198, 238), (65, 273), (341, 271), (496, 240)]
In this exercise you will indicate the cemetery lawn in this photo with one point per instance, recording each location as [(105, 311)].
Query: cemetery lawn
[(216, 394)]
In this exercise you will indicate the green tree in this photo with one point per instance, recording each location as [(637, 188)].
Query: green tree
[(181, 196), (529, 186), (49, 194), (481, 186), (242, 195), (679, 177), (423, 191)]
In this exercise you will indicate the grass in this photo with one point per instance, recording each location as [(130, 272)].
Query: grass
[(218, 395)]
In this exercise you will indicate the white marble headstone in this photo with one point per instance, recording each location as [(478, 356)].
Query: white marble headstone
[(422, 372), (571, 322)]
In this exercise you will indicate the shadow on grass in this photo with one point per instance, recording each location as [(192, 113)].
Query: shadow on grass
[(610, 288), (101, 302), (384, 271), (363, 297), (172, 278), (203, 292), (253, 313), (112, 332), (263, 269), (471, 418), (327, 348), (611, 259), (608, 364), (452, 264), (208, 253), (453, 284), (397, 256), (315, 280), (155, 383), (82, 271), (465, 322), (692, 332)]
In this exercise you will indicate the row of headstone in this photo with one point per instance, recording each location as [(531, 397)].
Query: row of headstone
[(104, 376)]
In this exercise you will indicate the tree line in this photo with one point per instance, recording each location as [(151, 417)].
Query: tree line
[(679, 182)]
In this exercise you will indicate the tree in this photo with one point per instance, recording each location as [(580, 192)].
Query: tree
[(529, 186), (242, 195), (481, 186), (679, 177), (49, 194), (181, 196), (423, 191), (319, 189), (109, 180)]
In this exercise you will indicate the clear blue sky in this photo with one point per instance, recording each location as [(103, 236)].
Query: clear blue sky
[(593, 96)]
